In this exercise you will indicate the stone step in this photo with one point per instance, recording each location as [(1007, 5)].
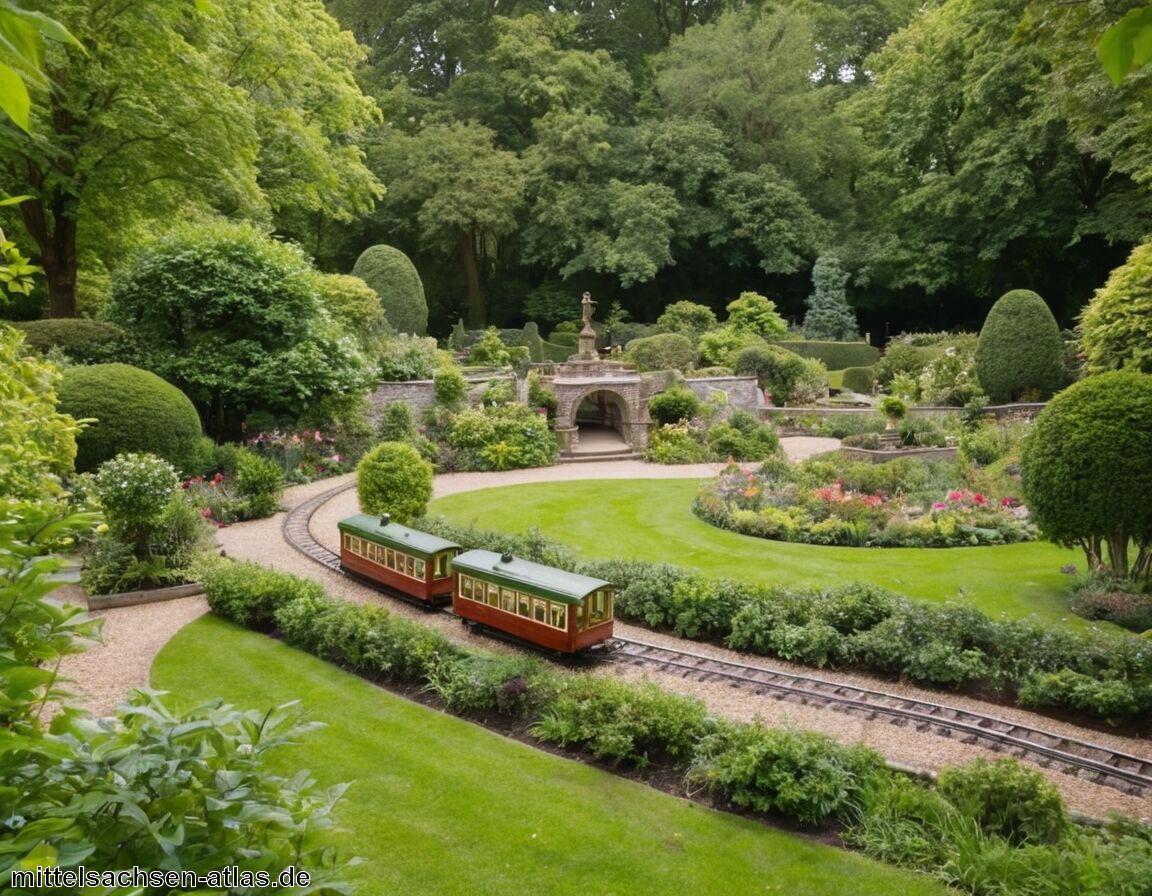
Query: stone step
[(584, 457)]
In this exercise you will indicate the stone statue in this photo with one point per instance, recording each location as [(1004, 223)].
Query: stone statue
[(587, 302)]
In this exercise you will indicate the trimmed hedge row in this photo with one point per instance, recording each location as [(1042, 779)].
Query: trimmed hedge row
[(835, 355)]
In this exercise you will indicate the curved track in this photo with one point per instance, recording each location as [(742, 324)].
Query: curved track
[(1083, 759)]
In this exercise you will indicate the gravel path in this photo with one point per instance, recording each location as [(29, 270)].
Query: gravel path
[(132, 636)]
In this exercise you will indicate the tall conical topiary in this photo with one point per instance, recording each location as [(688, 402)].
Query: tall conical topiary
[(1020, 354), (391, 273), (829, 314)]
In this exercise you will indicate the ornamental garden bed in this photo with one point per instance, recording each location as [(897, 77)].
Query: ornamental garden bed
[(884, 455), (768, 503)]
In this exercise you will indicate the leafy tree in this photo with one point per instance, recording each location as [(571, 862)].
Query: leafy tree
[(355, 307), (1127, 44), (37, 442), (1116, 326), (1086, 471), (829, 314), (674, 405), (756, 314), (231, 318), (130, 409), (687, 318), (393, 478), (259, 123), (1020, 351), (397, 284)]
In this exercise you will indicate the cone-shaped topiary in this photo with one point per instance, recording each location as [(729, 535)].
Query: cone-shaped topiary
[(1117, 324), (134, 411), (391, 273), (1020, 353)]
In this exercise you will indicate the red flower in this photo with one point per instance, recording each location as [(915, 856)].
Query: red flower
[(206, 512), (218, 478), (980, 499)]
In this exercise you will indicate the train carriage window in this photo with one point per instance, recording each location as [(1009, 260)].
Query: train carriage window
[(523, 605), (495, 596), (390, 558), (508, 600), (466, 587), (540, 610), (410, 565), (420, 569), (347, 542), (377, 553), (599, 606), (558, 616), (354, 544), (441, 566)]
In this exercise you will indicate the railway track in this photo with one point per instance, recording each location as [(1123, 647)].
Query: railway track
[(1085, 760)]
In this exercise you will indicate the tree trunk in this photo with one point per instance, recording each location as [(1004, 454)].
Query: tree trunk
[(466, 250), (55, 236)]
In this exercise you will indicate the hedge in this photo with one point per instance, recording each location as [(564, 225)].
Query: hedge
[(82, 341), (835, 355), (391, 273), (859, 379)]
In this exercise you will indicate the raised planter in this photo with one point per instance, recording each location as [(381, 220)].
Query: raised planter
[(882, 456), (151, 596)]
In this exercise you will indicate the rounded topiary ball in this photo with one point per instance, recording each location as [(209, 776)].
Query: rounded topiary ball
[(391, 273), (134, 411), (393, 478), (1020, 353)]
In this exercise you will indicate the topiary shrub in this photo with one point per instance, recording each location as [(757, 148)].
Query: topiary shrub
[(80, 340), (687, 318), (836, 355), (674, 405), (354, 305), (393, 478), (859, 379), (1087, 471), (134, 411), (666, 351), (1020, 353), (1116, 327), (391, 273), (777, 369)]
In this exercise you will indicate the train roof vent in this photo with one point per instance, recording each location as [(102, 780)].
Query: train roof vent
[(506, 557), (385, 519)]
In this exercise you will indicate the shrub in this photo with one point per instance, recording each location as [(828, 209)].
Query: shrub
[(404, 358), (249, 594), (829, 314), (1086, 471), (1020, 352), (134, 489), (801, 775), (511, 685), (673, 405), (1116, 326), (355, 307), (722, 347), (1110, 699), (623, 722), (259, 485), (755, 314), (666, 351), (1116, 602), (1007, 800), (726, 441), (134, 411), (540, 396), (449, 386), (777, 370), (489, 351), (80, 340), (687, 318), (393, 478), (394, 278), (859, 379), (903, 358), (675, 443), (507, 437)]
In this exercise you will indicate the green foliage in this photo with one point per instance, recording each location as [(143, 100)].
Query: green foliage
[(675, 443), (449, 385), (893, 408), (394, 278), (505, 437), (1116, 326), (665, 351), (396, 423), (859, 379), (134, 489), (511, 685), (1006, 800), (1020, 352), (836, 355), (259, 485), (250, 594), (1086, 471), (1125, 45), (673, 405), (489, 351), (756, 314), (80, 340), (623, 722), (723, 346), (355, 307), (801, 775), (1119, 602), (406, 357), (787, 378), (232, 318), (1112, 699), (729, 441), (829, 314), (687, 318), (393, 478), (540, 396), (132, 411), (37, 442)]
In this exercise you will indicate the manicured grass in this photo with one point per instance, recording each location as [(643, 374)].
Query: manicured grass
[(440, 806), (651, 519)]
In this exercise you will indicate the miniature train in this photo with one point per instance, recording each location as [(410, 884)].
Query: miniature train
[(548, 608)]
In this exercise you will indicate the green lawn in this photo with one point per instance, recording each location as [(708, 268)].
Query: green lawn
[(651, 519), (439, 806)]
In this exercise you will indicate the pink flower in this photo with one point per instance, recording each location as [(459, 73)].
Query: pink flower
[(218, 478), (1005, 502), (205, 512), (939, 505), (319, 438), (955, 496), (980, 499)]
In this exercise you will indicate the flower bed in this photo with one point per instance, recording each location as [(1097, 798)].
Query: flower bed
[(758, 503)]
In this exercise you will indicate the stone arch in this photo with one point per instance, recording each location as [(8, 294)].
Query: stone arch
[(625, 400)]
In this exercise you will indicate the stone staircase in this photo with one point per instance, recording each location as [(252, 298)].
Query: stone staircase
[(624, 452)]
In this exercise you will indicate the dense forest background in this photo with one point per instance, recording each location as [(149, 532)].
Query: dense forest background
[(648, 151)]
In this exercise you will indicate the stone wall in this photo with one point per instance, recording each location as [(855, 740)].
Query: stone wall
[(421, 394), (743, 392)]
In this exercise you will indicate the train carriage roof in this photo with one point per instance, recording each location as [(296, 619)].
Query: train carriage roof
[(413, 541), (524, 575)]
